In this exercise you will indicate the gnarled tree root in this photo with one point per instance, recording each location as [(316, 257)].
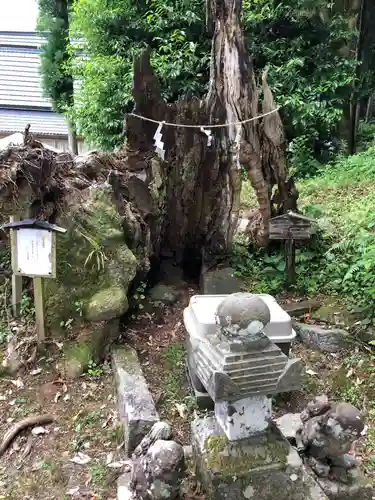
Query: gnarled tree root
[(20, 426)]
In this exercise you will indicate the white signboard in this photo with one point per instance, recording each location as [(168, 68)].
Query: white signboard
[(34, 252)]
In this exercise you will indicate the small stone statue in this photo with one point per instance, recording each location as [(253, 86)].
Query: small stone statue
[(158, 466), (326, 437), (160, 430)]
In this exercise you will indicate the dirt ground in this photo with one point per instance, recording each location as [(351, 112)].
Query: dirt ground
[(76, 456), (159, 338)]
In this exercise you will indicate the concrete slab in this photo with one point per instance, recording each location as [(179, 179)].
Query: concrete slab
[(136, 405)]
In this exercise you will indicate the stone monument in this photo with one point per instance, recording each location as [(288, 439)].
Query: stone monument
[(201, 322), (238, 453), (157, 467), (240, 367)]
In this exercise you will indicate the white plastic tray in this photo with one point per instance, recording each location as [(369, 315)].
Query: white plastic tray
[(199, 318)]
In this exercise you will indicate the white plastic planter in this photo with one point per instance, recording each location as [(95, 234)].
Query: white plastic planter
[(199, 319)]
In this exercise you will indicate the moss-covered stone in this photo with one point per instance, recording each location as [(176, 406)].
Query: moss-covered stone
[(335, 314), (92, 258), (238, 458), (262, 467), (107, 304), (92, 344), (77, 359), (164, 294)]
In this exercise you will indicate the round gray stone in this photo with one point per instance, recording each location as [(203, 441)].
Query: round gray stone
[(243, 309)]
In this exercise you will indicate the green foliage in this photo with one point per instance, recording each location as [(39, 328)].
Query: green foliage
[(308, 71), (284, 37), (112, 34), (139, 294), (57, 81), (366, 135), (264, 272), (94, 370), (340, 259), (27, 308), (301, 158)]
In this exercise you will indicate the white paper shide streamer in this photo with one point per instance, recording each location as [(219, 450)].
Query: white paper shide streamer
[(208, 134), (238, 145), (158, 143)]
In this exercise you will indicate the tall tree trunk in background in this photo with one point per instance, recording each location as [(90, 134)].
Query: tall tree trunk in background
[(354, 100), (369, 108), (72, 138), (191, 200)]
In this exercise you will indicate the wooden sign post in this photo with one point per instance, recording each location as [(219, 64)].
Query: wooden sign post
[(34, 255), (16, 280), (290, 227)]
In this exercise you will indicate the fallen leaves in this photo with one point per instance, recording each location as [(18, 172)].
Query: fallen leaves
[(311, 372), (80, 459), (37, 431), (181, 409), (36, 371), (18, 383), (116, 464)]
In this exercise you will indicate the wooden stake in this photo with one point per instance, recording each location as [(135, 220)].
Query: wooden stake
[(39, 309), (290, 256), (16, 280)]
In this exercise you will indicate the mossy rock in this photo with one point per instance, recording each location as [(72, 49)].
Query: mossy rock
[(77, 359), (92, 343), (93, 261), (107, 304), (263, 467), (163, 293), (239, 458)]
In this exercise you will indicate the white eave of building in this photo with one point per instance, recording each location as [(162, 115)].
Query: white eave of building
[(22, 100)]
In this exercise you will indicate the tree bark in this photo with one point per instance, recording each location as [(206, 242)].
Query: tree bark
[(369, 108), (194, 195), (354, 99), (72, 138)]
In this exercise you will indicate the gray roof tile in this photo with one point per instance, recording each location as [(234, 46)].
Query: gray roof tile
[(20, 39), (20, 83), (42, 122)]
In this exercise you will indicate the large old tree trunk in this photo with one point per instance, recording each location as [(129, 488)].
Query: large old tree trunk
[(128, 210), (196, 190), (186, 207)]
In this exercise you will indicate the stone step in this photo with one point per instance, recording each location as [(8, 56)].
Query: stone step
[(136, 405), (123, 490)]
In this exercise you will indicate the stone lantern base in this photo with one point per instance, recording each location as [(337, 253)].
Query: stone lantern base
[(263, 467)]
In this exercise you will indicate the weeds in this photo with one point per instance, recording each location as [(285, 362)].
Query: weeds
[(94, 370), (340, 259), (27, 307), (139, 294), (173, 356), (96, 255)]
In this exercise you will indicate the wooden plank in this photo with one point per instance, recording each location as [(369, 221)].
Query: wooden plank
[(290, 255), (282, 229), (16, 280), (39, 309), (289, 235)]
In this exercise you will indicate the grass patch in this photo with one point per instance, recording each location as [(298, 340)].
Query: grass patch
[(116, 434), (340, 259), (173, 358)]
